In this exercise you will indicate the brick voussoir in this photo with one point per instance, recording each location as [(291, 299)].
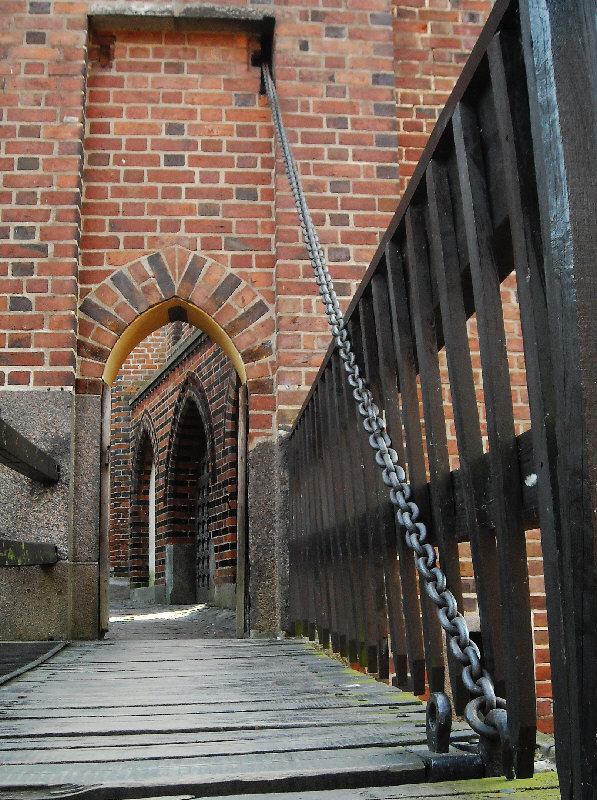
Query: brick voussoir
[(258, 353), (224, 290), (102, 316), (192, 273), (131, 293), (93, 352), (247, 318), (161, 272)]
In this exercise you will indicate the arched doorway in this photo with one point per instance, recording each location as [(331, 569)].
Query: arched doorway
[(175, 406), (189, 553), (142, 538), (161, 288)]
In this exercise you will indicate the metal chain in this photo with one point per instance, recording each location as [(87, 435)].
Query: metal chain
[(476, 679)]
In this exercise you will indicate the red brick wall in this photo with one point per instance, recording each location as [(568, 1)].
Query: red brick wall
[(140, 365), (178, 151), (432, 40), (334, 73), (137, 565), (209, 368), (41, 129)]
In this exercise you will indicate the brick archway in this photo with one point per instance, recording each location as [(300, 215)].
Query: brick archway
[(190, 474), (144, 456), (170, 275)]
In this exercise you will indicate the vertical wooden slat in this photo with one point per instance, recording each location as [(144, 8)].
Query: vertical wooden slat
[(343, 602), (372, 508), (323, 616), (384, 512), (560, 52), (503, 454), (311, 602), (447, 268), (293, 534), (350, 485), (298, 481), (328, 566), (442, 498), (408, 577), (510, 99), (332, 555), (374, 590), (417, 474), (342, 530)]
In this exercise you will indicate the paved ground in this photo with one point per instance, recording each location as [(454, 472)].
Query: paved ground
[(170, 622)]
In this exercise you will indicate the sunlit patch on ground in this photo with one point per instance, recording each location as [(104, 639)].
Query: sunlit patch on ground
[(197, 621), (151, 615)]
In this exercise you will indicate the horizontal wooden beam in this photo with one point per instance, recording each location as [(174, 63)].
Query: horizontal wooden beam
[(21, 455), (14, 553)]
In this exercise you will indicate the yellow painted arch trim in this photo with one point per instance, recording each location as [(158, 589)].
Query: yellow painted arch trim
[(157, 316)]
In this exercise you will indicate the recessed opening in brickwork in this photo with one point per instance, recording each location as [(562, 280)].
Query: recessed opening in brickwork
[(178, 151), (142, 522), (173, 468)]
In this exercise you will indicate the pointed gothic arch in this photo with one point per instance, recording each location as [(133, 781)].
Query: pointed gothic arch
[(189, 474), (141, 541), (165, 286)]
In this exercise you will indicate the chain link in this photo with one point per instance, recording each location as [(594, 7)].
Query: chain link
[(476, 679)]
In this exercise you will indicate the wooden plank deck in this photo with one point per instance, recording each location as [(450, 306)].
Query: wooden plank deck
[(199, 718)]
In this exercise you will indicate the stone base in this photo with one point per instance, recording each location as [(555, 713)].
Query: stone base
[(180, 575), (58, 601), (36, 604), (149, 595), (268, 556), (224, 595)]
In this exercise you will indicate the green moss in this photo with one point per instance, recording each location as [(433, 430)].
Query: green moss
[(543, 786)]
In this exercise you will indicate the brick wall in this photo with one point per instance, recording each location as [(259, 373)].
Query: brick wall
[(178, 149), (140, 365), (334, 73), (41, 127), (432, 40), (205, 380)]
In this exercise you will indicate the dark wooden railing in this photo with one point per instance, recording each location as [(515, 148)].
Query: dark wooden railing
[(486, 200), (22, 456)]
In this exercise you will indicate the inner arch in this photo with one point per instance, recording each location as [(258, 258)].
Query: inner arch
[(161, 314)]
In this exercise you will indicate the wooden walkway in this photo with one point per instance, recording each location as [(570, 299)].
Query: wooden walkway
[(199, 718)]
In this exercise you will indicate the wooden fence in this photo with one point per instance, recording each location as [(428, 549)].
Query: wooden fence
[(499, 190)]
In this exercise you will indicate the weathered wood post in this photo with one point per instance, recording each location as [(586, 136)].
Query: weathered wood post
[(560, 46)]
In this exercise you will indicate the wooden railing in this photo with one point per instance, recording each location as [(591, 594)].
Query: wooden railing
[(471, 216), (22, 456)]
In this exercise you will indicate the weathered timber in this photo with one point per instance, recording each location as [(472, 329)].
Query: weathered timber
[(384, 512), (408, 580), (16, 658), (505, 480), (560, 53), (404, 348), (209, 718), (19, 553), (21, 455)]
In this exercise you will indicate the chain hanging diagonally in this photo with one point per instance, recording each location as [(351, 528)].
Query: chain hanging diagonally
[(485, 713)]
